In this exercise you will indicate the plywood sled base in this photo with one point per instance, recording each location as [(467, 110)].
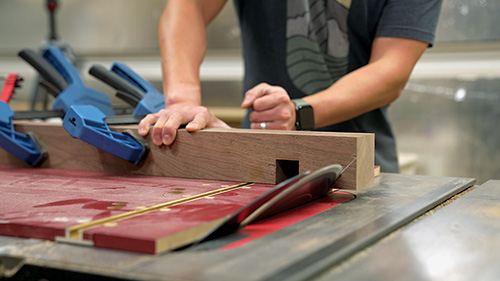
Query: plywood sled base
[(144, 214)]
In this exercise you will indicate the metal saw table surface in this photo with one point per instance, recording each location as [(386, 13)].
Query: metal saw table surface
[(300, 251), (457, 242)]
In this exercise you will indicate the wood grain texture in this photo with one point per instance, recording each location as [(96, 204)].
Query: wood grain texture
[(230, 154)]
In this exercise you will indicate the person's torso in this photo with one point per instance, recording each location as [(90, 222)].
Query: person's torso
[(305, 45)]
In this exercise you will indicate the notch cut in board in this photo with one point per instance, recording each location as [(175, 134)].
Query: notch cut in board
[(286, 169), (219, 154)]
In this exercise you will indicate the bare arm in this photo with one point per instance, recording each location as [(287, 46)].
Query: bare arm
[(182, 40), (375, 85)]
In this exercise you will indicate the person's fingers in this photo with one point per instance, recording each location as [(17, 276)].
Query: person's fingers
[(146, 123), (260, 125), (205, 119), (219, 124), (199, 122), (254, 93), (278, 113), (271, 100), (167, 121), (280, 117), (169, 131), (156, 133), (267, 125)]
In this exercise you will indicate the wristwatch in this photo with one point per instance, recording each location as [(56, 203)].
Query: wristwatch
[(304, 115)]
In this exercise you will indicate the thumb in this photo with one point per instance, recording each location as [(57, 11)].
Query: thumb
[(248, 100), (199, 122), (253, 94)]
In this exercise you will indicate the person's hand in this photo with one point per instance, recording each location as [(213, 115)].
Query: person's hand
[(272, 108), (168, 120)]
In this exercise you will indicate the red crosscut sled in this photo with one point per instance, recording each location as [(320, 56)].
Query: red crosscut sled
[(149, 214)]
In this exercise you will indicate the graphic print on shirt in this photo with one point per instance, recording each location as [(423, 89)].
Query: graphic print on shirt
[(317, 43)]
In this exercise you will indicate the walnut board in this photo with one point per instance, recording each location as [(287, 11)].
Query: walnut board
[(217, 154)]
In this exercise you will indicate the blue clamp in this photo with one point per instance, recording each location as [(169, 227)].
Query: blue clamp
[(86, 123), (27, 148), (77, 93), (152, 101)]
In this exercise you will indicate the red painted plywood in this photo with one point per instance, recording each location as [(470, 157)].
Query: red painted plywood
[(44, 203)]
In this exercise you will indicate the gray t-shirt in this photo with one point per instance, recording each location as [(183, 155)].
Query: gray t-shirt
[(306, 45)]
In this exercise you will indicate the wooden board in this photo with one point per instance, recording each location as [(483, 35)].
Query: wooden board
[(145, 214), (264, 156)]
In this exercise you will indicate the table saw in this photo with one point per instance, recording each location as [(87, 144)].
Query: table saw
[(84, 200), (85, 213)]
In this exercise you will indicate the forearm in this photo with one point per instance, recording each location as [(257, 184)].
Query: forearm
[(359, 92), (372, 86), (182, 40)]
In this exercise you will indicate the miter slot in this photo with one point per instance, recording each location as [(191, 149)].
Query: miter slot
[(286, 169), (74, 234)]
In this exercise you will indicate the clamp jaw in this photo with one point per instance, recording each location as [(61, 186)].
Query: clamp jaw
[(27, 148), (84, 109), (131, 88), (86, 122)]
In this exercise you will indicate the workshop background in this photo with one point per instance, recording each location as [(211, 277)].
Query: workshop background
[(445, 121)]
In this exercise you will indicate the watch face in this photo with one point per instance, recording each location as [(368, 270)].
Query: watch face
[(306, 118)]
